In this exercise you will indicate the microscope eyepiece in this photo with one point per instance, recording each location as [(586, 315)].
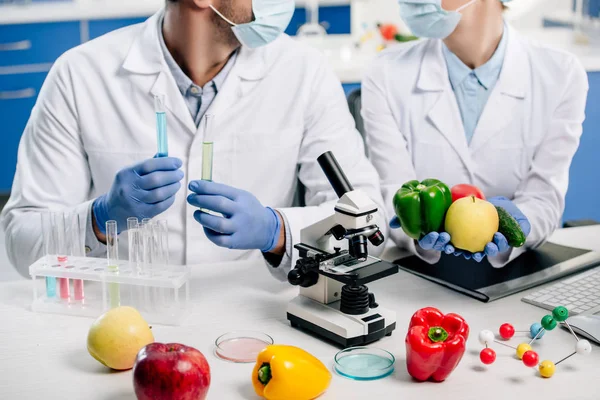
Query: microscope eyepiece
[(334, 174), (377, 238), (358, 247)]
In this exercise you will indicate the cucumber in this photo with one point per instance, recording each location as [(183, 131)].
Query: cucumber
[(510, 228)]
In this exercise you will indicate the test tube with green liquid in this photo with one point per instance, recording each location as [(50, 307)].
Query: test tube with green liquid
[(112, 253), (207, 149)]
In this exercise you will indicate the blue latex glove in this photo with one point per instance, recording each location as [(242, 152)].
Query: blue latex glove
[(144, 190), (499, 244), (245, 225)]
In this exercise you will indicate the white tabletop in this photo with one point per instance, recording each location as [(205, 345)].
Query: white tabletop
[(44, 356)]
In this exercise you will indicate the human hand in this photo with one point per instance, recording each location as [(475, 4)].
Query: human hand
[(514, 211), (144, 190), (245, 225), (499, 244), (441, 242)]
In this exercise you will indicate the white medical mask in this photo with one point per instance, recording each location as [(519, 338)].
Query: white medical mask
[(427, 18), (271, 18)]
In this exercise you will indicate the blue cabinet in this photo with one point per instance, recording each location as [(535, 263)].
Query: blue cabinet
[(100, 27), (582, 199), (18, 94), (36, 43), (336, 19)]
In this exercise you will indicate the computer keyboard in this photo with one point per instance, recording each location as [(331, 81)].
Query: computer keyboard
[(580, 294)]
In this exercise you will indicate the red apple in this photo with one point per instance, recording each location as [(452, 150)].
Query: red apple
[(464, 190), (170, 371)]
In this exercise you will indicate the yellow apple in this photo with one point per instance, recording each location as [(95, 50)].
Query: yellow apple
[(117, 336), (471, 223)]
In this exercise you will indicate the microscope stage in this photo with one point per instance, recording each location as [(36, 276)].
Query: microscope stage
[(328, 322)]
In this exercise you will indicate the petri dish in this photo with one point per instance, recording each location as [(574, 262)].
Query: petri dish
[(241, 346), (364, 363)]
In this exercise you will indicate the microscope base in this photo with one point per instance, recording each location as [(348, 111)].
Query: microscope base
[(328, 322)]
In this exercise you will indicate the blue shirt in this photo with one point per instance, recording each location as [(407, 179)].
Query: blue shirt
[(472, 87), (197, 98)]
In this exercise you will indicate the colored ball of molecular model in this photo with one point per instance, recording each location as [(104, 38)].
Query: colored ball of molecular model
[(531, 358), (524, 351), (507, 331), (487, 356)]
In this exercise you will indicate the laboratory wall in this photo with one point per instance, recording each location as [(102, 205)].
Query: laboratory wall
[(28, 49)]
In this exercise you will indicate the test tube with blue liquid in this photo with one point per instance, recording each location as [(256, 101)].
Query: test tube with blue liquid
[(161, 126), (49, 250)]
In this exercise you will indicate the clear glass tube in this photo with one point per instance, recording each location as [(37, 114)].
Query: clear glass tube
[(61, 237), (207, 161), (77, 250), (134, 245), (146, 250), (49, 251), (161, 126), (112, 254), (163, 229)]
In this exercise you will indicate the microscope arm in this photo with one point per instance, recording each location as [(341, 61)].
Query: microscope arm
[(317, 235)]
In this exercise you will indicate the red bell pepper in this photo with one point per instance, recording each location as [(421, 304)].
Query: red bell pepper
[(464, 190), (435, 344)]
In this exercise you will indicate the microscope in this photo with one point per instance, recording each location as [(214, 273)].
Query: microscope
[(334, 302)]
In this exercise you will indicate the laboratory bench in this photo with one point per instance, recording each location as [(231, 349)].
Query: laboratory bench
[(45, 356)]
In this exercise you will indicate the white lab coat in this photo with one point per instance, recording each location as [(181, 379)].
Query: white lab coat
[(279, 109), (521, 149)]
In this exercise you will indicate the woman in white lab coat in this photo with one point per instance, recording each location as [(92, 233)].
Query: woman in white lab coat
[(476, 103)]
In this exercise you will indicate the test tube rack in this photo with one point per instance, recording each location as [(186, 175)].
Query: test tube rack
[(161, 294)]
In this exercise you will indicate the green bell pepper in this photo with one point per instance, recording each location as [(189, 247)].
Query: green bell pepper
[(421, 207)]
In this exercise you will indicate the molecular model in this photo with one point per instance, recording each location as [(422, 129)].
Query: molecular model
[(524, 351)]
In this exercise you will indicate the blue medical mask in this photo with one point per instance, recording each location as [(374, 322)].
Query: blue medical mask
[(427, 18), (271, 18)]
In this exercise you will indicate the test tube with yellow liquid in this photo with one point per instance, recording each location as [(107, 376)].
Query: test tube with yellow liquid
[(112, 254), (207, 148)]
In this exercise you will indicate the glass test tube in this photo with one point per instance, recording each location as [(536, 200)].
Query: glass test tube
[(146, 240), (132, 234), (161, 126), (49, 251), (145, 233), (112, 253), (78, 250), (134, 260), (62, 240), (163, 241), (207, 149)]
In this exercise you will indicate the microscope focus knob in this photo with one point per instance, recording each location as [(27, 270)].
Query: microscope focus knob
[(372, 302), (306, 273)]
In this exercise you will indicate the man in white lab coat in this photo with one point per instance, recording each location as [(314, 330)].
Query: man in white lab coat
[(89, 144)]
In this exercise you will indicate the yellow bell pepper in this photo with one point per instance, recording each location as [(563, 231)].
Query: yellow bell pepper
[(289, 373)]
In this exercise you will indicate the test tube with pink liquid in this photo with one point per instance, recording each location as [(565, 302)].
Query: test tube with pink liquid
[(61, 231)]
